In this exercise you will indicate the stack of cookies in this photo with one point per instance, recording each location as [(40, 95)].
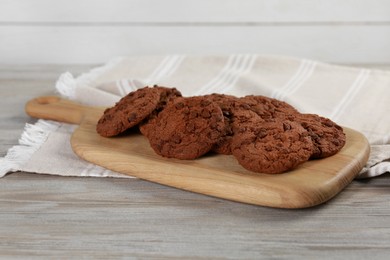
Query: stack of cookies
[(265, 135)]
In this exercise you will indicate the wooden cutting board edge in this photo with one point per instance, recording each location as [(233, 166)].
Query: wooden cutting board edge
[(323, 179), (243, 186)]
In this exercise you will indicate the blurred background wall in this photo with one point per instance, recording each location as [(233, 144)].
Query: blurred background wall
[(94, 31)]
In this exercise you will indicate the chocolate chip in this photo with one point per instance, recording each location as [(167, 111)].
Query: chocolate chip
[(132, 117)]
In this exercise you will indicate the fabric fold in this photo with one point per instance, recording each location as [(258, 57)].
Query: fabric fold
[(33, 137)]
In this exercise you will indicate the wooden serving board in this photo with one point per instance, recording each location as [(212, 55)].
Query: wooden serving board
[(310, 184)]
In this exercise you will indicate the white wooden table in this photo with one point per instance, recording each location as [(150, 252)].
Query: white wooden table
[(44, 216), (95, 31)]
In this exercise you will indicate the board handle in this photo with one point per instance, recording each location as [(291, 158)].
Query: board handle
[(56, 108)]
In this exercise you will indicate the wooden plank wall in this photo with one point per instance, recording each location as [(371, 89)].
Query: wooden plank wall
[(93, 31)]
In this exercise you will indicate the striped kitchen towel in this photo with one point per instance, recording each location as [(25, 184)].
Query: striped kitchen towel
[(352, 97)]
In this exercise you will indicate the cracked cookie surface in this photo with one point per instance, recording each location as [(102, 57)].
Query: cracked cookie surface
[(133, 109), (269, 146), (187, 128), (227, 103), (265, 135), (268, 108), (327, 136)]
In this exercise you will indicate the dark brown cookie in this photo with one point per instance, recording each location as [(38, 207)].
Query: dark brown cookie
[(132, 109), (227, 103), (269, 146), (166, 95), (187, 128), (265, 107), (327, 136), (268, 108)]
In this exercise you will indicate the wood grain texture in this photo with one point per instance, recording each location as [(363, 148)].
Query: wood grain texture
[(17, 85), (310, 184), (97, 43), (65, 217), (53, 217), (94, 31)]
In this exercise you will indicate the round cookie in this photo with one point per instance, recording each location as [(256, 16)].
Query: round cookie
[(227, 103), (187, 128), (132, 109), (166, 95), (269, 146), (327, 136), (268, 108)]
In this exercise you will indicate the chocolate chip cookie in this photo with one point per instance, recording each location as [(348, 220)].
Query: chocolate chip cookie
[(267, 107), (265, 135), (133, 109), (186, 128), (166, 95), (269, 146), (227, 103), (327, 136)]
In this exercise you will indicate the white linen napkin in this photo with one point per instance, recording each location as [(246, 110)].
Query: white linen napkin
[(352, 97)]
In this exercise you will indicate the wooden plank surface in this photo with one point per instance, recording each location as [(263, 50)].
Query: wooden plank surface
[(189, 11), (64, 217), (94, 31), (83, 44)]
